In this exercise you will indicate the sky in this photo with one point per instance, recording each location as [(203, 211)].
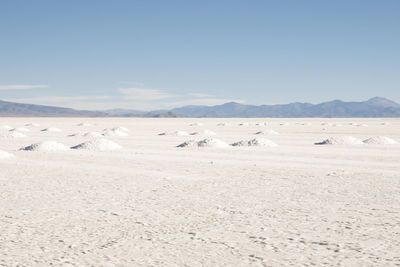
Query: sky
[(149, 55)]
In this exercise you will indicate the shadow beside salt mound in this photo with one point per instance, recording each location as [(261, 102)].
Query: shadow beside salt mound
[(255, 142), (33, 124), (209, 142), (46, 146), (205, 132), (51, 129), (84, 124), (86, 134), (380, 140), (20, 129), (267, 132), (5, 155), (197, 124), (176, 133), (100, 144), (344, 140), (224, 124)]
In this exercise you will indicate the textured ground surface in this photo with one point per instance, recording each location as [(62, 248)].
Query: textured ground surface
[(152, 204)]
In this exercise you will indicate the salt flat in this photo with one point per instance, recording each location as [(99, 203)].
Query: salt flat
[(139, 200)]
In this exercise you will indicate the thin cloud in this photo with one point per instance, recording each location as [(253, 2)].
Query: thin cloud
[(128, 98), (144, 94), (22, 86)]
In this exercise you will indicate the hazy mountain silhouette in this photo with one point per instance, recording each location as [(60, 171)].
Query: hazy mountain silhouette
[(372, 108), (16, 109)]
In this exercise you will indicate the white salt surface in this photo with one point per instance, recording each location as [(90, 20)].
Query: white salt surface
[(100, 144), (46, 146), (152, 204), (5, 155)]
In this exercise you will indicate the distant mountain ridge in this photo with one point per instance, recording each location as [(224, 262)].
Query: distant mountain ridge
[(10, 109), (372, 108)]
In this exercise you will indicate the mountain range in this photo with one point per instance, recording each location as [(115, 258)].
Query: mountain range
[(372, 108), (10, 109)]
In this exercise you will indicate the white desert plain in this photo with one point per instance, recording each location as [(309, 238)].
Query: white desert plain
[(199, 192)]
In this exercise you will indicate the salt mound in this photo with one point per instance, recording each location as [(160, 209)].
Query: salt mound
[(51, 129), (190, 143), (86, 134), (114, 132), (380, 140), (223, 124), (267, 132), (176, 133), (100, 144), (7, 127), (197, 124), (243, 124), (46, 146), (284, 124), (256, 142), (20, 129), (205, 132), (209, 142), (32, 124), (344, 140), (261, 124), (84, 124), (5, 155), (13, 134), (120, 128), (92, 134)]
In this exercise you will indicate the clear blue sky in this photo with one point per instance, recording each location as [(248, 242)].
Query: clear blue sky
[(158, 54)]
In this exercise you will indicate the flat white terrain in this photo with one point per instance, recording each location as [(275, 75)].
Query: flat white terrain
[(127, 196)]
